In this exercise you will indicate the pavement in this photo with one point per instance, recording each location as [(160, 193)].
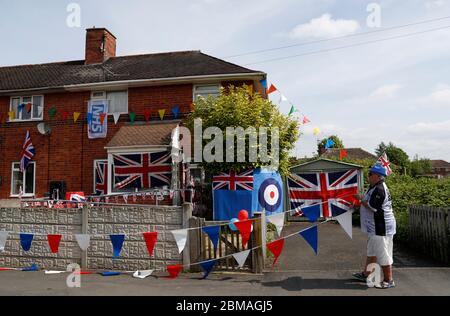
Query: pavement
[(299, 272)]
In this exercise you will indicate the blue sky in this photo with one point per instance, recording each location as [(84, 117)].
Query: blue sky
[(396, 90)]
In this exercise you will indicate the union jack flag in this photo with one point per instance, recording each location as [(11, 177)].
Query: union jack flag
[(233, 181), (148, 170), (334, 191), (384, 162), (101, 177), (27, 153)]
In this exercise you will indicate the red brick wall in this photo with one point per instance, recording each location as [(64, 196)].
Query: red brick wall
[(67, 154)]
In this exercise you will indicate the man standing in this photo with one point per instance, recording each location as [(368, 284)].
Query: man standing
[(378, 222)]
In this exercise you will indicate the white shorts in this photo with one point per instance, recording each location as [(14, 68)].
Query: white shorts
[(382, 248)]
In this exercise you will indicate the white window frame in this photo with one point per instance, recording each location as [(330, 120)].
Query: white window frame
[(105, 97), (32, 106), (195, 88), (23, 180), (95, 164)]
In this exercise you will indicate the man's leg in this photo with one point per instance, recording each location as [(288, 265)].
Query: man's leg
[(387, 271)]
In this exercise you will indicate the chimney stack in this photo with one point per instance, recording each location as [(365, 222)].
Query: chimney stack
[(100, 45)]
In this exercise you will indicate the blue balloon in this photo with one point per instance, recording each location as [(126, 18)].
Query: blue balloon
[(232, 226)]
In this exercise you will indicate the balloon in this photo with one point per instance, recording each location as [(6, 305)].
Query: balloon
[(231, 225), (243, 215)]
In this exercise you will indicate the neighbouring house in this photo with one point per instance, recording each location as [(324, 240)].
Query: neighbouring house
[(352, 154), (440, 169), (147, 95)]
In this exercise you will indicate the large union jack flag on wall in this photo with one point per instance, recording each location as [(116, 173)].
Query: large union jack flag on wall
[(101, 177), (234, 181), (142, 171), (334, 191)]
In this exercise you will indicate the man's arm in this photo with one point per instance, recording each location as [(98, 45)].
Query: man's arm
[(376, 199)]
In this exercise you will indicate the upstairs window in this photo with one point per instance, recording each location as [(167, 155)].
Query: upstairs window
[(206, 90), (28, 108), (118, 100)]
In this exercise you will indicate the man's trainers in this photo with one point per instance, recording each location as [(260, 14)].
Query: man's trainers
[(360, 276), (385, 285)]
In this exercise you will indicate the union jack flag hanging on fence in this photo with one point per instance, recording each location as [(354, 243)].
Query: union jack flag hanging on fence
[(101, 177), (384, 162), (334, 191), (234, 181), (27, 153), (142, 171)]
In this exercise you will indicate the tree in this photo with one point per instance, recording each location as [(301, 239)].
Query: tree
[(395, 154), (419, 167), (238, 107), (336, 140)]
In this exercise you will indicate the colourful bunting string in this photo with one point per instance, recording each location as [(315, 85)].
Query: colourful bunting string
[(174, 271), (342, 154), (345, 220), (76, 115), (292, 111), (3, 238), (33, 268), (276, 247), (241, 257), (147, 115), (316, 131), (161, 114), (26, 240), (207, 267), (53, 242), (150, 241), (329, 144), (29, 105), (213, 234), (310, 235), (132, 116), (83, 241), (102, 118), (244, 228), (306, 120), (312, 212), (64, 115), (175, 111), (263, 83), (117, 242), (52, 112), (180, 236), (116, 118), (278, 221), (89, 117), (12, 116)]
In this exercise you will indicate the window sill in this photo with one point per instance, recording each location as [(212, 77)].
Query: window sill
[(24, 121), (27, 196)]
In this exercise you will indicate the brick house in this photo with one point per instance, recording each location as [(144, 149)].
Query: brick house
[(440, 169), (47, 95)]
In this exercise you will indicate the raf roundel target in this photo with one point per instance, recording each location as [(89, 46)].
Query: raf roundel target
[(269, 195)]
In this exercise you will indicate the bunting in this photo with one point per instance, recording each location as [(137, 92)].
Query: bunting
[(116, 118), (272, 89), (83, 241), (64, 115), (150, 241), (207, 267), (52, 112), (180, 236), (342, 154), (276, 248), (245, 228), (26, 240), (176, 111), (53, 242), (132, 116), (3, 238), (147, 115), (117, 242), (174, 271), (241, 257), (312, 212), (161, 114), (345, 220), (213, 234), (12, 116), (76, 115), (278, 221), (310, 235)]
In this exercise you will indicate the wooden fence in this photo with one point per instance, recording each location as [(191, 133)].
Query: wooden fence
[(429, 231), (230, 242)]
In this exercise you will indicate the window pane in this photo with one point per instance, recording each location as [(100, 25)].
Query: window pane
[(37, 107), (25, 114), (118, 102), (207, 90), (14, 106), (29, 179), (17, 182)]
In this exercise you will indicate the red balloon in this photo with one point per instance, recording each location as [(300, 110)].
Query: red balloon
[(243, 215)]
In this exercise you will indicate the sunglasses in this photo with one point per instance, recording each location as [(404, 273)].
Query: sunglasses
[(370, 174)]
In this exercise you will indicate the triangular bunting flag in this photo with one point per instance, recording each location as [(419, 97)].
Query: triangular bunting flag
[(3, 238), (213, 234), (29, 105), (207, 267), (142, 274), (53, 242), (150, 240), (12, 116), (175, 111), (132, 116), (181, 238), (292, 111), (272, 89), (306, 120), (312, 212), (263, 83), (52, 112), (33, 268), (342, 154), (329, 144), (83, 241), (102, 118), (310, 235), (276, 248), (116, 117), (345, 220), (278, 221), (241, 257), (64, 115), (76, 115), (147, 115), (283, 98), (316, 131), (161, 114), (117, 242), (245, 228), (174, 271), (89, 117), (26, 240)]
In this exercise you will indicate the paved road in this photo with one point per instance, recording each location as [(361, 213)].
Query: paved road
[(299, 272)]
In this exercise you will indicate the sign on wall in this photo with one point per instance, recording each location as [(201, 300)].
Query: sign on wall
[(97, 118)]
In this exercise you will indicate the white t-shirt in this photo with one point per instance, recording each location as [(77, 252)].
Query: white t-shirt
[(379, 220)]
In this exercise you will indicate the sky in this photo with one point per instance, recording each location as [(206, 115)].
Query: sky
[(396, 88)]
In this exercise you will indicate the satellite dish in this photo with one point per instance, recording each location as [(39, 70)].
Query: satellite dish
[(44, 129)]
